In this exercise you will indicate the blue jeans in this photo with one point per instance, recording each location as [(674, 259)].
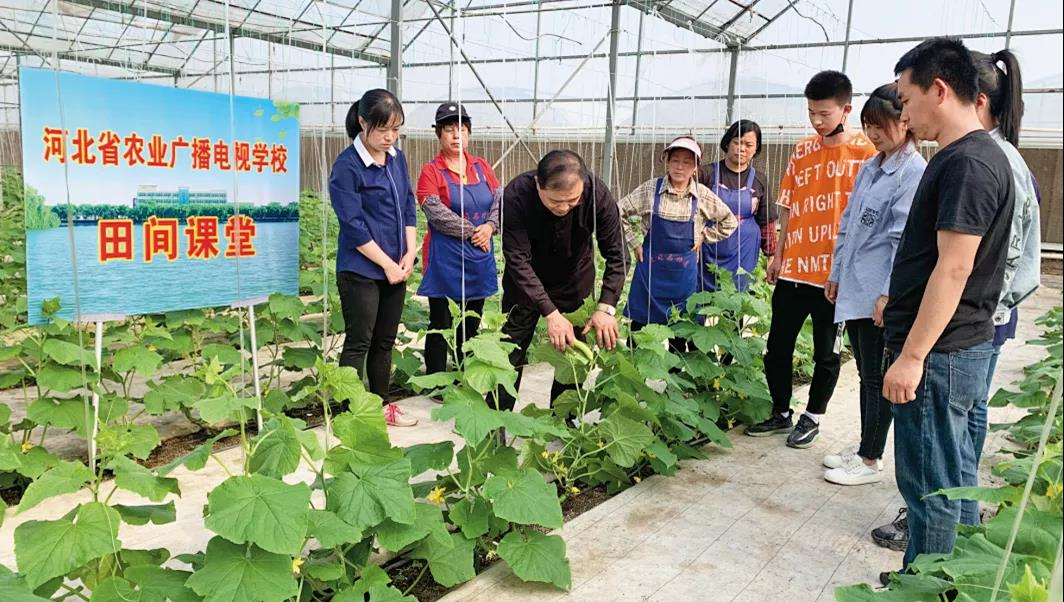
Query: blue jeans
[(977, 425), (934, 445)]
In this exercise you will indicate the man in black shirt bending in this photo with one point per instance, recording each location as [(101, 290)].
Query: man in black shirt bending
[(944, 286), (549, 218)]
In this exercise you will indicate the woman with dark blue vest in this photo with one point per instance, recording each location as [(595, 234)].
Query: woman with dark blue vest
[(675, 215), (457, 192), (374, 203), (743, 190)]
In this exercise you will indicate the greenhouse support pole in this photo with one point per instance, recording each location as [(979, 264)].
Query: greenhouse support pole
[(1008, 30), (846, 42), (232, 65), (638, 69), (535, 67), (395, 61), (607, 154), (733, 72), (450, 59), (214, 69)]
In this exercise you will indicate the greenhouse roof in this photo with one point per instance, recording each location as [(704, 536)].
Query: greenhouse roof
[(164, 36), (525, 54)]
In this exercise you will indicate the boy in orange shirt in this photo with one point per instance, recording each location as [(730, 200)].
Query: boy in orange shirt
[(813, 194)]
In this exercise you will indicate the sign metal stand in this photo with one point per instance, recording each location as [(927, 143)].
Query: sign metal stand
[(94, 425), (250, 304)]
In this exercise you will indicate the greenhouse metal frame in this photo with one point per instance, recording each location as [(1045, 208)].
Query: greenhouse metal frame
[(323, 53)]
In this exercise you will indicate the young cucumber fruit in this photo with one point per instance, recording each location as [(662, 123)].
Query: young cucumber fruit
[(579, 352)]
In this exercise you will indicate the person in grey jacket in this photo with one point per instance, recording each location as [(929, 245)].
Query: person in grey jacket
[(1000, 108)]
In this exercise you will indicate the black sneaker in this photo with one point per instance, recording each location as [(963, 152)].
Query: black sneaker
[(804, 433), (886, 576), (777, 423), (894, 535)]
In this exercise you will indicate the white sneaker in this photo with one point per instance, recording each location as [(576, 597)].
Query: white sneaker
[(839, 459), (393, 416), (854, 472)]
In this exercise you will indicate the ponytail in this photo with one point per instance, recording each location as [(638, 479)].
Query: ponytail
[(1003, 89), (377, 108), (1010, 117), (351, 124)]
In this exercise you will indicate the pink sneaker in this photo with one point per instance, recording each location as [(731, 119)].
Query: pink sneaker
[(395, 417)]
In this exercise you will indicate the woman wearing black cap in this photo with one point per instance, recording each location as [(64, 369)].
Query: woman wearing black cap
[(457, 193)]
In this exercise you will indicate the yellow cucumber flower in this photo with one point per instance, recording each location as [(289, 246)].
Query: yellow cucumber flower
[(436, 495)]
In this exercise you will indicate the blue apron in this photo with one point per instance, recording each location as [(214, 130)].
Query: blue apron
[(740, 250), (444, 264), (668, 274)]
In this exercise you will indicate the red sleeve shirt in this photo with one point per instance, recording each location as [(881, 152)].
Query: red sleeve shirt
[(432, 181), (427, 182)]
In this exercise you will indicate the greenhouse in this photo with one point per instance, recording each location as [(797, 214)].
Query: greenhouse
[(414, 300)]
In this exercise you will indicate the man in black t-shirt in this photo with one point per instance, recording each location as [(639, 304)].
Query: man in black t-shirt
[(944, 286)]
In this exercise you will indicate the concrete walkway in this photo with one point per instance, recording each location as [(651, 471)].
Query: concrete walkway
[(756, 522)]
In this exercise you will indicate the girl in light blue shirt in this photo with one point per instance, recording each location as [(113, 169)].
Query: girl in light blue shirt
[(868, 236)]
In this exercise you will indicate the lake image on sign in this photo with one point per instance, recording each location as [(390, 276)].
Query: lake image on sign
[(132, 287)]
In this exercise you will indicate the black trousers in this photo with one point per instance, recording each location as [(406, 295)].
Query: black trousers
[(792, 303), (519, 329), (866, 340), (372, 310), (440, 318)]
